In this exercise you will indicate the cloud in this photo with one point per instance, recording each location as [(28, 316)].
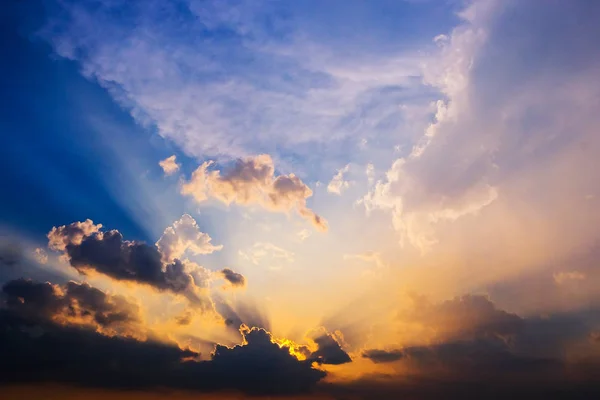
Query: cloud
[(337, 183), (234, 278), (207, 91), (182, 236), (184, 319), (39, 343), (169, 165), (565, 277), (304, 234), (382, 356), (368, 256), (467, 317), (370, 172), (73, 304), (498, 125), (40, 255), (267, 254), (329, 349), (250, 181), (73, 234), (109, 254)]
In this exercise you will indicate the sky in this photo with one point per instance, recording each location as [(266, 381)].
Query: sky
[(342, 199)]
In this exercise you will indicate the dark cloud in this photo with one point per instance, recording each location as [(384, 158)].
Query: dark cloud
[(329, 350), (41, 351), (430, 388), (479, 360), (120, 259), (90, 249), (75, 303), (234, 278), (263, 364), (382, 356)]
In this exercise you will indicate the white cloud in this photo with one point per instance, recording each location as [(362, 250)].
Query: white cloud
[(268, 255), (184, 235), (252, 180), (502, 134), (169, 165), (337, 184), (290, 92)]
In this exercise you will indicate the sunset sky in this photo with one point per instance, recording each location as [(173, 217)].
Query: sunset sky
[(324, 199)]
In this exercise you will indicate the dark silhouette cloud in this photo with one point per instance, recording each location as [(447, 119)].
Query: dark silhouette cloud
[(35, 347), (329, 350), (88, 248), (234, 278), (74, 303), (382, 356), (120, 259)]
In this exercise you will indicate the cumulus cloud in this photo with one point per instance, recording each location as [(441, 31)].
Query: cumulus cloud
[(250, 181), (337, 184), (60, 334), (329, 347), (60, 237), (109, 254), (76, 304), (184, 235), (169, 165), (234, 278), (501, 134)]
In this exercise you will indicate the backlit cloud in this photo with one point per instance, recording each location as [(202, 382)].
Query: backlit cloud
[(251, 181), (184, 235), (109, 254), (169, 165), (337, 184)]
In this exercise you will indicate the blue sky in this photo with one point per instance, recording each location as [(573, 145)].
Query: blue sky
[(367, 168)]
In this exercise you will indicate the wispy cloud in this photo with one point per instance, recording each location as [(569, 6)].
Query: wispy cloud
[(237, 79), (268, 255), (337, 184)]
